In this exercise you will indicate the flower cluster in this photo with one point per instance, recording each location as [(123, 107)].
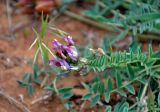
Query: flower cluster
[(67, 54)]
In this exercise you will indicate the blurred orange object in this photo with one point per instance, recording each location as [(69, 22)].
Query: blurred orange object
[(45, 6), (31, 6)]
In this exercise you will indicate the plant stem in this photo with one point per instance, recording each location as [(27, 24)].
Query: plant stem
[(36, 56), (55, 87), (139, 76), (9, 19), (86, 20), (108, 26), (142, 98), (131, 107), (49, 50), (18, 104), (82, 106), (112, 11), (144, 90)]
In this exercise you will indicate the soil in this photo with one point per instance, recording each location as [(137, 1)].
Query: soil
[(14, 58)]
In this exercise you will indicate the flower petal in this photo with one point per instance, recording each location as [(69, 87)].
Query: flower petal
[(71, 51), (56, 44), (60, 54), (54, 62), (64, 65), (60, 63), (69, 40)]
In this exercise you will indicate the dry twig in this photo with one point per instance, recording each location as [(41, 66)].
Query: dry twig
[(9, 19), (14, 101), (107, 27), (43, 98)]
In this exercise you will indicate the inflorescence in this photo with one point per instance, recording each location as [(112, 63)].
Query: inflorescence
[(67, 55)]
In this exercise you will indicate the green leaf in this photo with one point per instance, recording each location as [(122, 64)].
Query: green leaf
[(148, 16), (121, 36), (101, 88), (107, 94), (118, 80), (37, 81), (35, 71), (151, 102), (142, 80), (140, 90), (43, 26), (150, 62), (124, 107), (93, 11), (30, 78), (44, 53), (121, 92), (86, 51), (26, 77), (30, 89), (68, 105), (85, 85), (95, 87), (49, 88), (130, 88), (150, 50), (116, 108), (134, 45), (21, 83), (121, 107), (130, 71), (87, 96), (67, 95), (159, 99), (108, 109), (109, 84), (95, 100), (65, 90), (105, 46)]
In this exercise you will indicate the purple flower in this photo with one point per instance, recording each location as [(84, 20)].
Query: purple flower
[(63, 64), (60, 63), (71, 51), (56, 44), (57, 48), (65, 54), (69, 40), (59, 53)]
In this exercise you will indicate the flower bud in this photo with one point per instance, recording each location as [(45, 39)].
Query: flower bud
[(101, 51), (69, 40)]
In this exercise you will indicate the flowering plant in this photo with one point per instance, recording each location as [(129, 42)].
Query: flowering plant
[(67, 55), (119, 75)]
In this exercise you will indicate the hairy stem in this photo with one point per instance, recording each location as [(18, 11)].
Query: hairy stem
[(108, 26)]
